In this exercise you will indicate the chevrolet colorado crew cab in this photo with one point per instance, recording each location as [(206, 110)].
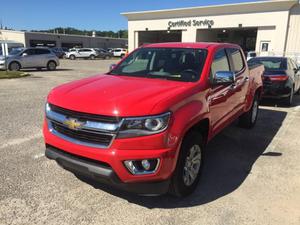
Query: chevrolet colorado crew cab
[(143, 126)]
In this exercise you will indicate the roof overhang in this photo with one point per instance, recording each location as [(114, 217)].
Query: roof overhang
[(240, 8)]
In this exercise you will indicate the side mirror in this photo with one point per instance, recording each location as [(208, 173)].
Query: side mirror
[(112, 66), (224, 78), (24, 54)]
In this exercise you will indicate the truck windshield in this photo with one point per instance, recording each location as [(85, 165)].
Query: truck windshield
[(180, 64)]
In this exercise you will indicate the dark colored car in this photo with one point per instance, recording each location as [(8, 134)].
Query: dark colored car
[(281, 77), (59, 52), (104, 54)]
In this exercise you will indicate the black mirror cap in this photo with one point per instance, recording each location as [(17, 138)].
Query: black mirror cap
[(224, 77)]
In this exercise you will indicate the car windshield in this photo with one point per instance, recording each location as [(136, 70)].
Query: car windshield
[(270, 63), (181, 64), (16, 51)]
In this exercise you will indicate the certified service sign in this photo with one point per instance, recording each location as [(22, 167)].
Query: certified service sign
[(190, 23)]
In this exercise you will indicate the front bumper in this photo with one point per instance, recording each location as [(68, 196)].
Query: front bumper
[(103, 173)]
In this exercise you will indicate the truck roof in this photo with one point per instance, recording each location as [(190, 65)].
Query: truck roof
[(189, 45)]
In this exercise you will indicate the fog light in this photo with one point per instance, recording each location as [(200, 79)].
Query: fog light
[(142, 167), (146, 164)]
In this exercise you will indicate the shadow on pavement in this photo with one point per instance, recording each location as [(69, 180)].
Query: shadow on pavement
[(229, 159), (45, 70), (280, 102)]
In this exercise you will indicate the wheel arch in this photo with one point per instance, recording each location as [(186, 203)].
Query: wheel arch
[(14, 61)]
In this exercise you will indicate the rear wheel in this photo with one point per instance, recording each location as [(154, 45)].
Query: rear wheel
[(248, 119), (189, 165), (107, 57), (289, 100), (14, 66), (92, 57), (51, 66)]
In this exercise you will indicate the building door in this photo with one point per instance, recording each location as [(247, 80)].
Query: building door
[(147, 37)]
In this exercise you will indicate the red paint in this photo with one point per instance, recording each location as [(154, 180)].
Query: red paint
[(189, 103)]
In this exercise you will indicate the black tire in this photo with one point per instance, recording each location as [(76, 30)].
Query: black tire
[(290, 100), (107, 57), (14, 66), (179, 186), (248, 119), (92, 57), (51, 65), (72, 57), (122, 56)]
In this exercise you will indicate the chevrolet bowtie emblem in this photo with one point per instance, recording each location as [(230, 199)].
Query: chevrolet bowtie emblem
[(73, 124)]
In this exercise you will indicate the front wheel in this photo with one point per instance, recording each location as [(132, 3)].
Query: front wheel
[(248, 119), (14, 66), (189, 165), (72, 57), (92, 57)]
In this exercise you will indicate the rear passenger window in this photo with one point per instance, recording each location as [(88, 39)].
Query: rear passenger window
[(237, 59), (41, 51), (220, 62)]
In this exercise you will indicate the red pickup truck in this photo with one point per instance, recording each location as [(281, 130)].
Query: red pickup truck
[(143, 126)]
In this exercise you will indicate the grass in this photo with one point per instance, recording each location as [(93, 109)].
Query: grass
[(12, 74)]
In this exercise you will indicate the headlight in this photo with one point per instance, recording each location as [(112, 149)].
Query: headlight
[(142, 126)]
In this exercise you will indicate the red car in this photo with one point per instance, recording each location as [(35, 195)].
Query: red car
[(143, 126)]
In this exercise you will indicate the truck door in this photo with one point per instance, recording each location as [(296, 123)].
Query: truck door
[(220, 95), (240, 88)]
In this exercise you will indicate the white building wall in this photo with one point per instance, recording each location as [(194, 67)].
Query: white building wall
[(272, 26), (17, 36), (293, 39)]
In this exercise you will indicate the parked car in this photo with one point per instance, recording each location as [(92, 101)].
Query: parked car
[(22, 58), (88, 53), (281, 77), (59, 52), (143, 126), (119, 52), (104, 54), (251, 54)]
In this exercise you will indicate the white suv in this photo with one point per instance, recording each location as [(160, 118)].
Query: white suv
[(119, 52), (89, 53)]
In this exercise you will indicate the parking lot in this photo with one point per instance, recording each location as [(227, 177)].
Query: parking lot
[(249, 177)]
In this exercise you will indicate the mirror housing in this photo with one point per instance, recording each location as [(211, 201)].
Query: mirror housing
[(112, 66), (224, 78), (24, 54)]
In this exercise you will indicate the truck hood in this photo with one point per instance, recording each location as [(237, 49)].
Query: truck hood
[(117, 95)]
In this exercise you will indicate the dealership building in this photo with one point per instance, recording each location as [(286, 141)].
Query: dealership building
[(34, 39), (267, 27)]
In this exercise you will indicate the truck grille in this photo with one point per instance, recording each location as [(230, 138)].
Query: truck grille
[(84, 136), (93, 130)]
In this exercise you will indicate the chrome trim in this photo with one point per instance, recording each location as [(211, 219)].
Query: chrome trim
[(88, 125), (137, 172), (75, 141)]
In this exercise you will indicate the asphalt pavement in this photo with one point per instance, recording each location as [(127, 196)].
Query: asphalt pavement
[(249, 176)]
